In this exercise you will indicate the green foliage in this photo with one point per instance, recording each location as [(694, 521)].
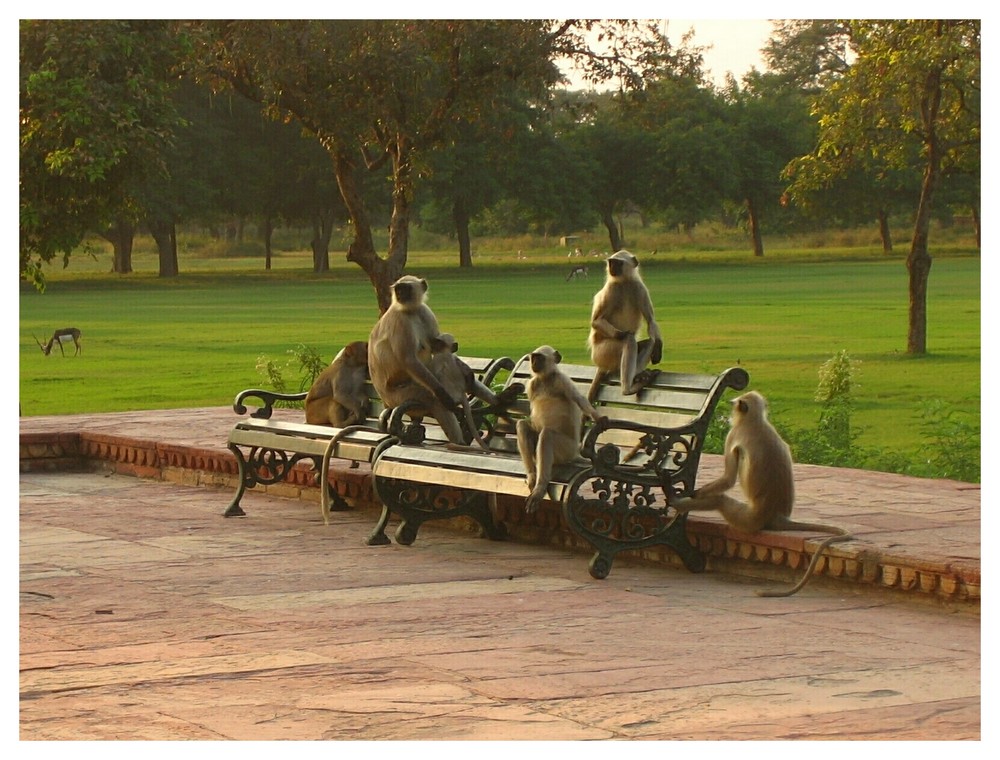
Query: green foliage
[(953, 442), (950, 439), (95, 116), (304, 360)]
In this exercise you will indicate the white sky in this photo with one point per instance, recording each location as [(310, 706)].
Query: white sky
[(735, 43)]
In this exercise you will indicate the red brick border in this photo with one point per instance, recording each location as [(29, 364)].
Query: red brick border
[(769, 555)]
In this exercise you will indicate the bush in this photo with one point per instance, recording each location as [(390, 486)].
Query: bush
[(310, 364)]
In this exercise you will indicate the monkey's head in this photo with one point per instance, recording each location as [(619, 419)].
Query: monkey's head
[(622, 264), (544, 359), (444, 343), (409, 291), (750, 404), (357, 352)]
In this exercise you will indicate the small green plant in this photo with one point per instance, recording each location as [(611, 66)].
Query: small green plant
[(310, 364), (954, 440), (834, 392)]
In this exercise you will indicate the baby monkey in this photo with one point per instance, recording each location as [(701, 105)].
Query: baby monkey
[(462, 384), (551, 435), (756, 455), (338, 396)]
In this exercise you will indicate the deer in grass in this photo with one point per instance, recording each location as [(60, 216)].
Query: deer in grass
[(60, 336)]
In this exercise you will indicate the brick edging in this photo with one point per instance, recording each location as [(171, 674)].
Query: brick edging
[(773, 555)]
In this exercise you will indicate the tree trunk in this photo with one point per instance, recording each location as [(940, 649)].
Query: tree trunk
[(381, 272), (883, 230), (121, 235), (267, 229), (975, 221), (918, 263), (608, 219), (322, 231), (165, 235), (460, 214), (754, 218)]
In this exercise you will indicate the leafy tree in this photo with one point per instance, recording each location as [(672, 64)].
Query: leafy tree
[(95, 114), (913, 88), (770, 125), (381, 94)]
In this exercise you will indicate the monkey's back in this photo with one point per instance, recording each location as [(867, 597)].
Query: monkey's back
[(765, 472)]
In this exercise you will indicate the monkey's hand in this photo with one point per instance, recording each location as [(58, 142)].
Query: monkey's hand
[(509, 395), (657, 354), (623, 334)]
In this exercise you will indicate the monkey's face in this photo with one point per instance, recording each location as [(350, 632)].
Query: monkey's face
[(409, 290), (444, 343), (544, 359), (622, 264)]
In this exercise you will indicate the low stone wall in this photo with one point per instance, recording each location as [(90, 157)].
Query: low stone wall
[(775, 556)]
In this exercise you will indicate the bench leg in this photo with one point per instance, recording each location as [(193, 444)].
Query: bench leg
[(416, 503), (234, 509), (378, 536), (625, 517)]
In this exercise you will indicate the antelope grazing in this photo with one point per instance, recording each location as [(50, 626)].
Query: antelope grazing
[(63, 335)]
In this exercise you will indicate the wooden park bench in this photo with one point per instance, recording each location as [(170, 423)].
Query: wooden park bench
[(274, 447), (613, 504)]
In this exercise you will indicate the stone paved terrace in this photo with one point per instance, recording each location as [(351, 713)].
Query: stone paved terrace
[(913, 535), (146, 615)]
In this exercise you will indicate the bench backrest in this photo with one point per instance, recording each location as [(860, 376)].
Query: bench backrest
[(486, 369), (672, 400)]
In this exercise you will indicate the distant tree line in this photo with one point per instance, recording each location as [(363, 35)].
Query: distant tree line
[(459, 125)]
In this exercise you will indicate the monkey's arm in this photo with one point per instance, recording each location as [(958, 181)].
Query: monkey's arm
[(419, 372), (605, 328), (652, 329), (581, 401), (728, 478)]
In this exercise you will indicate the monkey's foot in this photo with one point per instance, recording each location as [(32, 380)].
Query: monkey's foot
[(531, 505), (640, 381)]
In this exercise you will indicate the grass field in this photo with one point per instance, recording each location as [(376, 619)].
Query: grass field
[(195, 340)]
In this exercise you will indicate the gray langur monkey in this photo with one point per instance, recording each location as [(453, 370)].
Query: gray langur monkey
[(461, 382), (399, 351), (457, 378), (551, 434), (338, 396), (619, 309), (756, 455)]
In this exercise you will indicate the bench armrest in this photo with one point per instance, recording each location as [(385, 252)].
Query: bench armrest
[(268, 400)]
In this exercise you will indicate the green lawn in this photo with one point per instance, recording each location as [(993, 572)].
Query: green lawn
[(195, 340)]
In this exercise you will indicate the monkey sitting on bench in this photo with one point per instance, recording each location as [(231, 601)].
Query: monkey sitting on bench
[(337, 396), (461, 383), (399, 352), (551, 435), (618, 311), (756, 455)]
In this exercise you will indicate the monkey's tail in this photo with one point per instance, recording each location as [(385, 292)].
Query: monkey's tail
[(324, 498), (812, 565)]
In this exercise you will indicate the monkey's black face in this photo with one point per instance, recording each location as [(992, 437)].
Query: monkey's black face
[(404, 292), (539, 362), (615, 267)]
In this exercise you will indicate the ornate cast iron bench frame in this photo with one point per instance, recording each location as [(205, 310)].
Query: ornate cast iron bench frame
[(274, 447), (612, 504)]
